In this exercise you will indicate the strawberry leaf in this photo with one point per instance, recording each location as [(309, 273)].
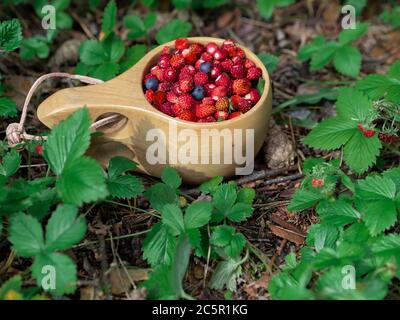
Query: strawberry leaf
[(347, 60), (353, 105)]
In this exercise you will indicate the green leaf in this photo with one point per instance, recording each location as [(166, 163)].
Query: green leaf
[(376, 85), (246, 195), (64, 228), (379, 216), (8, 108), (394, 175), (270, 61), (172, 217), (225, 275), (180, 264), (394, 70), (174, 29), (182, 4), (211, 185), (133, 55), (349, 35), (105, 71), (222, 235), (119, 165), (12, 284), (149, 20), (236, 245), (82, 181), (65, 272), (161, 194), (125, 187), (114, 47), (323, 56), (224, 197), (338, 213), (331, 133), (197, 214), (10, 163), (265, 8), (92, 53), (159, 245), (10, 35), (26, 235), (307, 51), (68, 140), (360, 152), (322, 236), (171, 177), (159, 284), (347, 60), (376, 188), (353, 104), (388, 246), (304, 199), (109, 17), (239, 212), (34, 47), (136, 26)]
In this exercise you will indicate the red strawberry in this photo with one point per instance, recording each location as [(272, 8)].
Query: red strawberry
[(172, 97), (187, 70), (158, 73), (165, 50), (223, 80), (241, 86), (191, 58), (238, 71), (186, 84), (165, 86), (369, 133), (159, 98), (244, 105), (187, 115), (253, 96), (360, 127), (166, 108), (248, 64), (176, 109), (232, 51), (219, 92), (388, 138), (234, 114), (177, 61), (220, 54), (254, 73), (181, 43), (196, 48), (208, 100), (216, 70), (170, 74), (228, 43), (185, 101), (164, 61), (317, 183), (237, 60), (235, 100), (207, 119), (209, 87), (211, 47), (222, 104), (149, 94), (39, 149), (198, 64), (147, 76), (175, 89), (204, 110), (221, 115), (207, 57), (240, 53), (227, 65), (200, 78)]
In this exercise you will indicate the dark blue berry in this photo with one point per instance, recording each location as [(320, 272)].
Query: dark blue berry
[(205, 67), (151, 83), (198, 93)]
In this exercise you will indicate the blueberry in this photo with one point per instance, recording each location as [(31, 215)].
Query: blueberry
[(151, 83), (198, 93), (205, 67)]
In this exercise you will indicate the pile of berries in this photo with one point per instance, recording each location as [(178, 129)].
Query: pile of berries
[(203, 83)]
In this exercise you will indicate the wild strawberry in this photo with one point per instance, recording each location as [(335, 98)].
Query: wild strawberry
[(317, 183), (158, 73), (234, 114), (220, 54), (39, 149), (211, 47), (360, 127), (253, 96), (241, 86), (369, 133), (166, 108), (208, 100), (235, 100), (187, 71), (244, 105), (200, 78), (198, 63), (221, 115), (253, 73), (164, 61), (172, 97), (147, 76), (237, 60), (191, 58), (216, 70), (170, 74), (219, 92), (222, 104), (185, 101), (204, 110), (176, 89), (149, 94), (223, 80), (228, 43), (248, 64), (207, 119), (226, 65), (176, 109), (159, 98), (388, 138), (238, 71), (209, 87), (177, 61), (186, 84), (187, 115), (181, 43), (207, 57), (165, 86), (232, 51), (165, 50), (240, 53), (196, 48)]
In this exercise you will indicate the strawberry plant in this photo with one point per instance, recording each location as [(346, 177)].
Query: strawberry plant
[(346, 58), (266, 7), (391, 16)]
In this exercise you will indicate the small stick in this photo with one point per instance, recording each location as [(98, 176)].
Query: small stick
[(262, 174), (282, 179)]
